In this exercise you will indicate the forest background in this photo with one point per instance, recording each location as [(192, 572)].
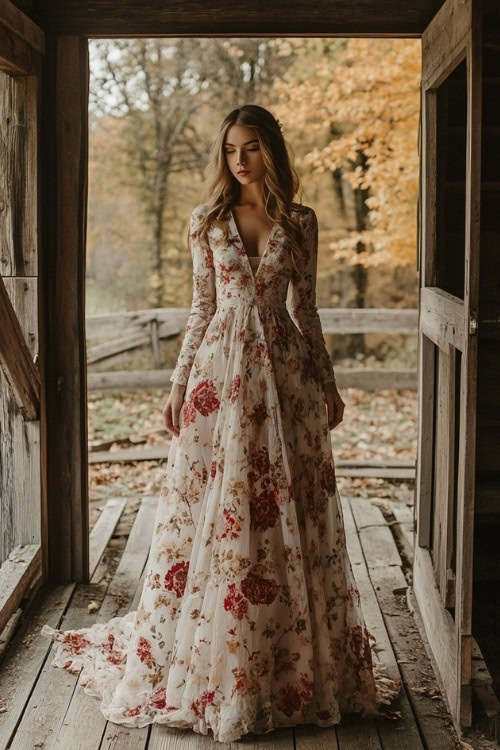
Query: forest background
[(349, 110)]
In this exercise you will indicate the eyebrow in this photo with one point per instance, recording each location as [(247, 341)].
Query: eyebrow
[(243, 144)]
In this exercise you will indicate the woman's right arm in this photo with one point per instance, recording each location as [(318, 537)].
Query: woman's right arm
[(203, 307), (203, 304)]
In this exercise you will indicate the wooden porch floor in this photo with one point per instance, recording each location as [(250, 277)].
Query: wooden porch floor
[(44, 707)]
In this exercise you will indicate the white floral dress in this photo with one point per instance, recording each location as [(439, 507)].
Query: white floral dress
[(249, 618)]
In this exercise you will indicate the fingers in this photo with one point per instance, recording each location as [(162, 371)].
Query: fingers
[(171, 419)]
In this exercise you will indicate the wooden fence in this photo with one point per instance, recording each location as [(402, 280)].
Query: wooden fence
[(121, 334)]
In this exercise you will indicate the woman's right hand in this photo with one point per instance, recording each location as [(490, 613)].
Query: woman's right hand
[(172, 408)]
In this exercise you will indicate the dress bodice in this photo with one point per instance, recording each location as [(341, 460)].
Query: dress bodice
[(224, 276)]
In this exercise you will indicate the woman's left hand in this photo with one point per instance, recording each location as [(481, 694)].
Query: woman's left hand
[(334, 403)]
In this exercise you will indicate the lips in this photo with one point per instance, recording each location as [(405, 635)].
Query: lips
[(244, 171)]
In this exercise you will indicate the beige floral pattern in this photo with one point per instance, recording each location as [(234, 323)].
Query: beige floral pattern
[(249, 618)]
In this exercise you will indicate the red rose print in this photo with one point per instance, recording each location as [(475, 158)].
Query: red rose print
[(158, 699), (235, 603), (132, 711), (77, 642), (259, 461), (176, 577), (323, 715), (235, 388), (188, 413), (144, 652), (259, 413), (232, 525), (360, 646), (328, 480), (259, 590), (204, 398), (206, 699), (289, 701), (264, 511)]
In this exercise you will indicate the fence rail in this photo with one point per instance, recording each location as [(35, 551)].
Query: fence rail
[(134, 330)]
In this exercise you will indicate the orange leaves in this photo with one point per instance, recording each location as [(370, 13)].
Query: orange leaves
[(359, 102)]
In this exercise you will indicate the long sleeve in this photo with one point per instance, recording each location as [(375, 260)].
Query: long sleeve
[(302, 295), (203, 305)]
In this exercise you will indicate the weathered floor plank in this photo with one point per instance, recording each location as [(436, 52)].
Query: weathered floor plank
[(84, 725), (47, 708), (400, 734), (427, 704), (48, 703)]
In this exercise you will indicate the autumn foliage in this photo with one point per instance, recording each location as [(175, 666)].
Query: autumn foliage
[(360, 100)]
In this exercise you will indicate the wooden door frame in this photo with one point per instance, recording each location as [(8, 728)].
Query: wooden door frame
[(447, 321), (22, 45)]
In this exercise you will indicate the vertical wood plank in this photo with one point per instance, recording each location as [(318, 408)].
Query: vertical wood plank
[(64, 147), (468, 396)]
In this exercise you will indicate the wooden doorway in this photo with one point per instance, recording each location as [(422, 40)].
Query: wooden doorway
[(448, 314)]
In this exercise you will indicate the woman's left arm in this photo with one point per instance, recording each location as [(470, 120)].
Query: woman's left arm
[(305, 312)]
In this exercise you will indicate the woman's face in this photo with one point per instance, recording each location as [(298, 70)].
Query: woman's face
[(243, 154)]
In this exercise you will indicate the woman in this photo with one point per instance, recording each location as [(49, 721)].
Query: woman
[(249, 617)]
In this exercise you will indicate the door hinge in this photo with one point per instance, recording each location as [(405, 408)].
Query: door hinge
[(473, 323)]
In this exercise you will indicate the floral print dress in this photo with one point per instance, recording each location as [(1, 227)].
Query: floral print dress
[(249, 617)]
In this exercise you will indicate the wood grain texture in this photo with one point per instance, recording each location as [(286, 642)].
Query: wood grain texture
[(18, 22), (223, 18), (63, 364)]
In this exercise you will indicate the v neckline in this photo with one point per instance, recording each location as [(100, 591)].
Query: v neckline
[(254, 276)]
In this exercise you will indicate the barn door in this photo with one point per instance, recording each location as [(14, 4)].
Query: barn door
[(448, 305), (21, 49)]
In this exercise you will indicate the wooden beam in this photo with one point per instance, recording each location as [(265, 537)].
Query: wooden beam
[(17, 58), (222, 18), (442, 317), (333, 320), (443, 39), (16, 361), (368, 379), (18, 22), (16, 575), (62, 289)]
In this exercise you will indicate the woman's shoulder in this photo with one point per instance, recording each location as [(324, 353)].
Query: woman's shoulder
[(302, 210), (200, 210), (304, 213)]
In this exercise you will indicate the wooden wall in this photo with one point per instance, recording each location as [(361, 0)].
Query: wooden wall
[(20, 511), (487, 526)]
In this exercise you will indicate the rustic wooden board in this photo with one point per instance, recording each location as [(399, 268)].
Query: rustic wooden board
[(20, 483), (63, 193), (282, 18), (402, 734), (103, 529), (84, 726), (16, 573), (407, 645), (26, 656), (377, 541), (14, 20), (16, 359), (366, 378), (54, 688)]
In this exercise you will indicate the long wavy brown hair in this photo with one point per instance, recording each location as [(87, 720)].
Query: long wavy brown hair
[(281, 181)]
